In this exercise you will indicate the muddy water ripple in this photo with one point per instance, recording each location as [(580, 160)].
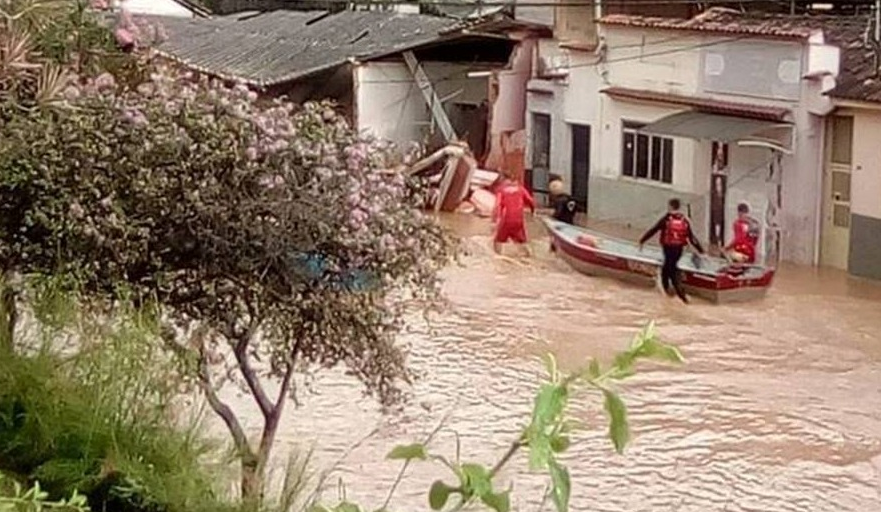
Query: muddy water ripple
[(777, 410)]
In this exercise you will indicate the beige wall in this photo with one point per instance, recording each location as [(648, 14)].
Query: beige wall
[(866, 177), (390, 105)]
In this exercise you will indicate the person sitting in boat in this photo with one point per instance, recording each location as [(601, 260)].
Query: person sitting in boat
[(676, 234), (742, 249), (564, 205), (512, 199)]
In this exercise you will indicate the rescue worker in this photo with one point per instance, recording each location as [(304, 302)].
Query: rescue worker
[(511, 200), (676, 234), (747, 230), (564, 205)]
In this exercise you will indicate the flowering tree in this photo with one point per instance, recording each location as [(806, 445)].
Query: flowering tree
[(267, 235)]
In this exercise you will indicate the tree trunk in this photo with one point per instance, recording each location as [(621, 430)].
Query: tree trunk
[(253, 474), (8, 315)]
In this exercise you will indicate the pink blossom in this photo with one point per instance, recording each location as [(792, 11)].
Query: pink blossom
[(124, 37), (105, 81), (72, 93), (99, 5), (251, 153)]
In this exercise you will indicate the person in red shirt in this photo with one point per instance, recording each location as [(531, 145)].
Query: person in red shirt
[(742, 248), (511, 201), (676, 235)]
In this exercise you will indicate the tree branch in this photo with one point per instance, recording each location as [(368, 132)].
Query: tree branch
[(250, 375), (288, 378), (224, 411), (512, 450)]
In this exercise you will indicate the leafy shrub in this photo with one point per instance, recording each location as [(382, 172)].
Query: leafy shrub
[(97, 420)]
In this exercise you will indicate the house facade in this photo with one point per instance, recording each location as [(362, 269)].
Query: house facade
[(851, 201), (718, 109)]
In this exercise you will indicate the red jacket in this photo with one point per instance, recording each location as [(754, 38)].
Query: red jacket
[(511, 200), (746, 238)]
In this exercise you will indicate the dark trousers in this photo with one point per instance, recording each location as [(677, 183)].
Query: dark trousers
[(670, 271)]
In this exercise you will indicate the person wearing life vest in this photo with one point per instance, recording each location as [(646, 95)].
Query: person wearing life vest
[(512, 199), (747, 230), (564, 205), (676, 234)]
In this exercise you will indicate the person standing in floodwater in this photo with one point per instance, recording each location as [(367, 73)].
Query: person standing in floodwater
[(564, 205), (512, 199), (676, 234)]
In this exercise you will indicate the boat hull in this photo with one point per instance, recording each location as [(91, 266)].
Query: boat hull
[(716, 287)]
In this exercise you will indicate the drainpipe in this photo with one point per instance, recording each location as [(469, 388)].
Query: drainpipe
[(818, 221)]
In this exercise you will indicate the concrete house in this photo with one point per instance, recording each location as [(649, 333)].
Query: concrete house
[(722, 108), (851, 200), (400, 77)]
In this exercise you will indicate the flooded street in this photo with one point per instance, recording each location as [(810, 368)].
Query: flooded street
[(776, 410)]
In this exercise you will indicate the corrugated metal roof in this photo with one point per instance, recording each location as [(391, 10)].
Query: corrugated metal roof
[(275, 47)]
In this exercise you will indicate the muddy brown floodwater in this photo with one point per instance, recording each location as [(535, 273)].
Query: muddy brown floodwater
[(778, 408)]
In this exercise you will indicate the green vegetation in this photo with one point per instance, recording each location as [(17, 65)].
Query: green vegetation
[(88, 409)]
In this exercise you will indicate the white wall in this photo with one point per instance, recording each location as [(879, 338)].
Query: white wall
[(866, 177), (389, 104), (551, 104), (508, 108), (673, 62), (663, 61), (156, 8), (571, 100)]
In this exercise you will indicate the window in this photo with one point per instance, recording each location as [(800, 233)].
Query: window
[(842, 139), (541, 141), (646, 157)]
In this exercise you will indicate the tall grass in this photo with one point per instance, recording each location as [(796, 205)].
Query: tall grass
[(91, 404)]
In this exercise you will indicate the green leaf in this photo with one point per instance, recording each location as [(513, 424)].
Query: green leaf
[(476, 480), (619, 430), (562, 487), (593, 370), (408, 452), (439, 494), (668, 353), (318, 508), (621, 374), (560, 444), (551, 366), (500, 502), (347, 507), (624, 360), (540, 451), (549, 405)]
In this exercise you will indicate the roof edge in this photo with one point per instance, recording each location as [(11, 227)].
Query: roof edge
[(704, 30), (709, 105)]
